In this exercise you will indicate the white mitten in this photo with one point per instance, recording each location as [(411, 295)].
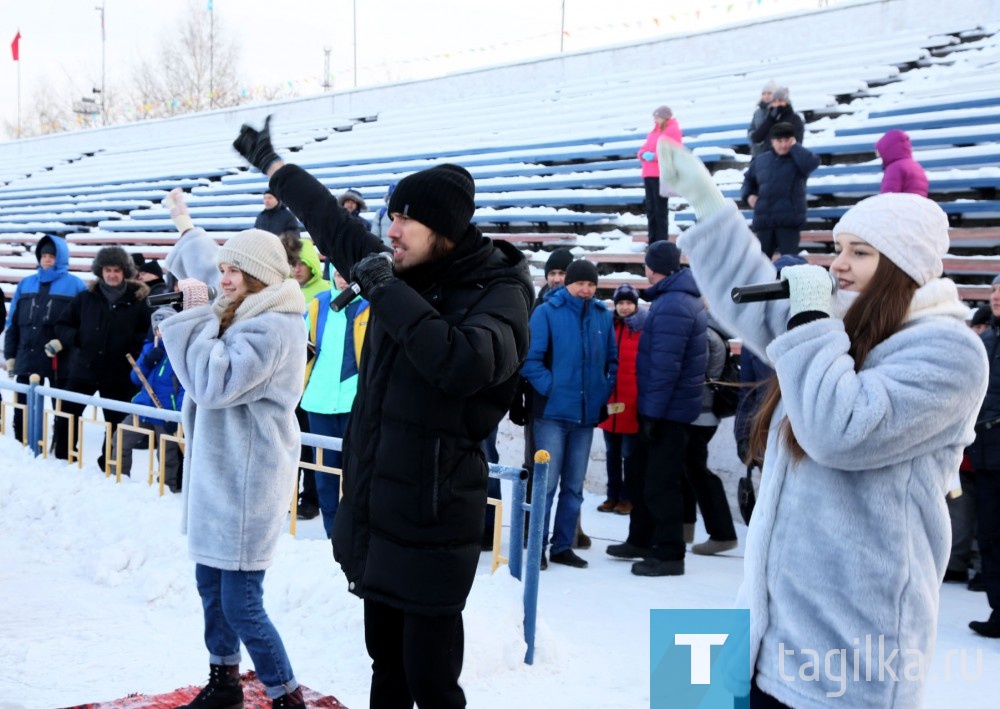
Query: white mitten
[(174, 201), (687, 174), (810, 289), (194, 291)]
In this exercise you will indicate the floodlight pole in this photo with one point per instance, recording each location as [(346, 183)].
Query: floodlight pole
[(211, 56), (562, 26), (104, 111), (354, 21), (326, 68)]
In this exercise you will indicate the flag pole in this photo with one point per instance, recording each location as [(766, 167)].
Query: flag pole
[(19, 98)]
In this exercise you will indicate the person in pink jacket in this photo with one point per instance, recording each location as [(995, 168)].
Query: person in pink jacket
[(901, 172), (666, 126)]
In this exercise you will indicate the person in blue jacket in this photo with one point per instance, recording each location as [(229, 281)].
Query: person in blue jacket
[(774, 186), (159, 373), (37, 303), (571, 365), (670, 371)]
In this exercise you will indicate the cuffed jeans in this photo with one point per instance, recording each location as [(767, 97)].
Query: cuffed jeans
[(328, 484), (234, 610), (568, 445)]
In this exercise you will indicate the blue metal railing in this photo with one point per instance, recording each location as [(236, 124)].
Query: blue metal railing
[(524, 567)]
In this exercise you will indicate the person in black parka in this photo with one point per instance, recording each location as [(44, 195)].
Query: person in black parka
[(275, 216), (447, 335), (102, 325)]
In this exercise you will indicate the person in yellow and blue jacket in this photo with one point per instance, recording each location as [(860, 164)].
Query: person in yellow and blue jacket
[(332, 381)]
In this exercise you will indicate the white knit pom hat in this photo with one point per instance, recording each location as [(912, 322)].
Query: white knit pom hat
[(909, 230), (258, 253)]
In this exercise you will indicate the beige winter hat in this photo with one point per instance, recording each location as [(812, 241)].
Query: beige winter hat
[(258, 253), (909, 230)]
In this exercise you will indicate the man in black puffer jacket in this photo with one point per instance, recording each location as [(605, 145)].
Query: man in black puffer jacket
[(984, 454), (775, 187), (275, 216), (101, 326), (447, 336)]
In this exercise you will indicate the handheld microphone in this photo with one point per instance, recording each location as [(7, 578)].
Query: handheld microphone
[(352, 291), (775, 290), (172, 297)]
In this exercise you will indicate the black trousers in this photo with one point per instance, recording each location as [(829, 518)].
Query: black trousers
[(706, 485), (415, 658), (988, 532), (308, 476), (119, 391), (657, 518), (783, 239), (656, 210)]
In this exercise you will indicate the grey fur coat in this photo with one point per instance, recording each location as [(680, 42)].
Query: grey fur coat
[(239, 419), (848, 546)]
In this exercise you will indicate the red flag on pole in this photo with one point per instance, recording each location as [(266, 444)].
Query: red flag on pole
[(15, 46)]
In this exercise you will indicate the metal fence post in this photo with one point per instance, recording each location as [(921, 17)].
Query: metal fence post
[(536, 526), (36, 407)]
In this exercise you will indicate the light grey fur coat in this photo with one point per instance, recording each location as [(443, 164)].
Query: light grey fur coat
[(241, 461), (850, 543)]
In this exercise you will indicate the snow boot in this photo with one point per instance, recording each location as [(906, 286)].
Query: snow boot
[(223, 690), (289, 701)]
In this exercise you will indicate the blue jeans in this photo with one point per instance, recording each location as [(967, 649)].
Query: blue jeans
[(234, 610), (619, 448), (568, 445), (328, 484)]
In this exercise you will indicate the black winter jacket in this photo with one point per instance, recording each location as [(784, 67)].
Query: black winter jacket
[(779, 181), (438, 369), (101, 334), (984, 453), (760, 128), (277, 220)]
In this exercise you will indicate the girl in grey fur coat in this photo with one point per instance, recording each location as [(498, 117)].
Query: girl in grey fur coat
[(874, 399), (241, 361)]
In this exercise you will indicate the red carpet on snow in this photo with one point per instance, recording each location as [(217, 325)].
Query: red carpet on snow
[(253, 698)]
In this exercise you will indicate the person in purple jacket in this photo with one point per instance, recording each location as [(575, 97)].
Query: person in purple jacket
[(901, 172)]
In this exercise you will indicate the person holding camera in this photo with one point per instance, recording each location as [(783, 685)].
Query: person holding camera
[(861, 429), (446, 337), (241, 362), (779, 110)]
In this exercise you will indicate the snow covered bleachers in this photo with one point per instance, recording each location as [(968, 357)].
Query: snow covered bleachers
[(552, 143)]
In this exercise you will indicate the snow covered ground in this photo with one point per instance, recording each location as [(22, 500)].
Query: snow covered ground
[(98, 601)]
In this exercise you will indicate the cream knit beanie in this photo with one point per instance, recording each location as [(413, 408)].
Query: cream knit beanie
[(909, 230), (258, 253)]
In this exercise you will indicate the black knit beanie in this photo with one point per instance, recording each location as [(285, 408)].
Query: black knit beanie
[(558, 260), (663, 257), (581, 270), (442, 198), (46, 247)]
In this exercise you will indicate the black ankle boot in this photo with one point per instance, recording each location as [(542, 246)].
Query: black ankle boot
[(223, 690), (289, 701)]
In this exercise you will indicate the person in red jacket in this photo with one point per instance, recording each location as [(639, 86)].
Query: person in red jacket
[(620, 428), (665, 126)]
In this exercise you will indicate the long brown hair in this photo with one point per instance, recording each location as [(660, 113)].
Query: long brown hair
[(253, 285), (876, 315)]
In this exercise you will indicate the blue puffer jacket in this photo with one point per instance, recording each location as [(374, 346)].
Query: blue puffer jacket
[(573, 360), (673, 350), (36, 305), (155, 366), (779, 181), (984, 453)]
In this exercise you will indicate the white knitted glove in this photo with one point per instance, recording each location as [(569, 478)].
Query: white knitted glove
[(174, 201), (810, 289), (194, 291), (687, 174)]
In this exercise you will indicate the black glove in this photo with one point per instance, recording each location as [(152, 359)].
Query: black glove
[(373, 272), (255, 146), (603, 415), (155, 356), (650, 430)]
